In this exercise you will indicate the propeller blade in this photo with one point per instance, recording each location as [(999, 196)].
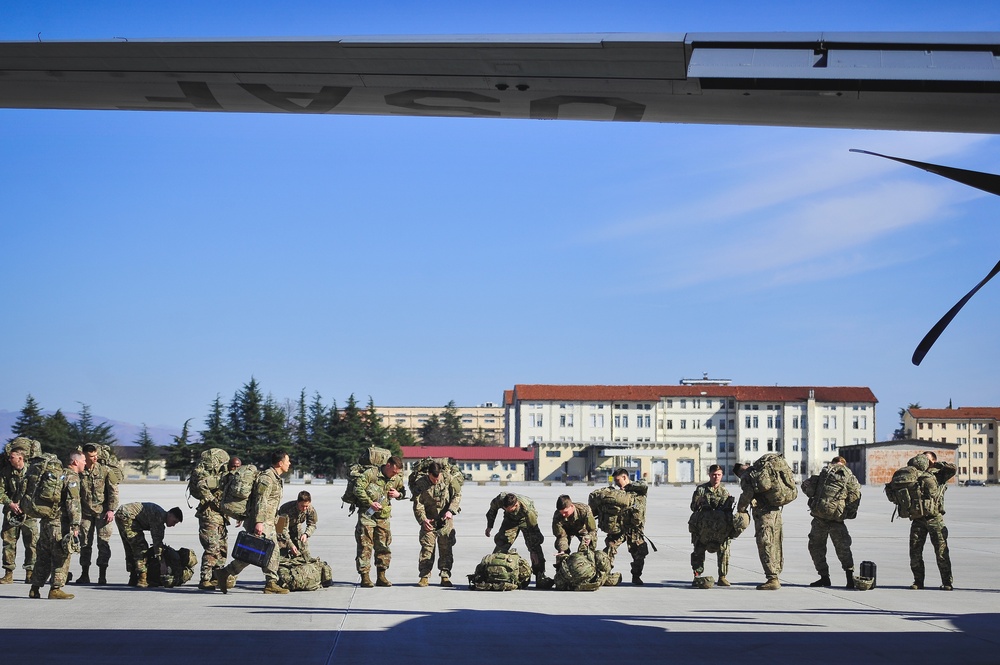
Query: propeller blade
[(987, 182), (928, 341)]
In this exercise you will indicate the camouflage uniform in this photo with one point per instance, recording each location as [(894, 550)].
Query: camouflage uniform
[(11, 491), (632, 535), (836, 530), (523, 519), (98, 495), (262, 508), (767, 528), (707, 497), (430, 502), (933, 484), (53, 557), (372, 532), (212, 526), (298, 523), (132, 520), (581, 524)]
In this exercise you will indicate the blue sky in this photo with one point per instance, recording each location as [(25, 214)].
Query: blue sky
[(153, 260)]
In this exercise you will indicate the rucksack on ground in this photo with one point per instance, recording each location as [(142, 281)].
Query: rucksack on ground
[(501, 571), (237, 486), (609, 506), (298, 575), (368, 458), (211, 467), (575, 571), (905, 490), (43, 482), (171, 568), (773, 480), (827, 494)]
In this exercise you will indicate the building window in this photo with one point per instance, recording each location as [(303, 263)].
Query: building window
[(684, 424), (708, 447), (670, 424), (552, 453), (746, 444)]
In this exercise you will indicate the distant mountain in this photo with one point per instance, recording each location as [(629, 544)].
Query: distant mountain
[(126, 433)]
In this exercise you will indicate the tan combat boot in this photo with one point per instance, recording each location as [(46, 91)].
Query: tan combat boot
[(366, 582), (723, 582), (446, 581), (56, 593), (382, 580), (141, 581), (272, 587), (771, 585), (424, 581), (8, 578)]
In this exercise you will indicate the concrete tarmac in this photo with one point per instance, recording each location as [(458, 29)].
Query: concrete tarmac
[(664, 620)]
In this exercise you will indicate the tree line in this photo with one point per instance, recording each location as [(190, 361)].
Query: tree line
[(321, 440)]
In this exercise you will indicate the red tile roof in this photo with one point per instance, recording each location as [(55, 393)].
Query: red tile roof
[(654, 393), (961, 413), (470, 453)]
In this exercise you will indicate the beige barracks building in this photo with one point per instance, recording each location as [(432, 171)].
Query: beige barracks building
[(674, 433), (973, 429)]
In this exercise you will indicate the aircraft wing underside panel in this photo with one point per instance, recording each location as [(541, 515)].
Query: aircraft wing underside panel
[(820, 80)]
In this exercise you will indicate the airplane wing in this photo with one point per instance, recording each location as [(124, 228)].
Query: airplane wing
[(909, 81)]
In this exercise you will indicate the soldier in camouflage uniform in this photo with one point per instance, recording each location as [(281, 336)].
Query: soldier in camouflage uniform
[(573, 519), (15, 523), (630, 533), (99, 499), (54, 540), (834, 529), (436, 501), (519, 515), (707, 497), (132, 520), (933, 484), (767, 528), (213, 529), (299, 525), (262, 513), (373, 493)]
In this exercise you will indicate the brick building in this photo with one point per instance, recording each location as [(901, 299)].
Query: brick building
[(874, 463)]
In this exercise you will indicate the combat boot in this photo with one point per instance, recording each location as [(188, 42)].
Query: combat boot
[(446, 581), (272, 587), (33, 592), (221, 579), (8, 578), (424, 581), (771, 585), (917, 584), (382, 580), (366, 582), (723, 582), (133, 577), (207, 585), (141, 582), (84, 576), (56, 593), (850, 579), (637, 581), (824, 580), (542, 582), (27, 575), (102, 578)]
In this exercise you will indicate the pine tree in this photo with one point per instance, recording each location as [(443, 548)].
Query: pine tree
[(57, 437), (451, 426), (148, 451), (319, 450), (276, 434), (349, 435), (431, 433), (400, 437), (30, 422), (181, 454), (85, 431), (246, 424), (215, 434)]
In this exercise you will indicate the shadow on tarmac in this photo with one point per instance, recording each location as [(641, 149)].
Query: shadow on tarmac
[(493, 637)]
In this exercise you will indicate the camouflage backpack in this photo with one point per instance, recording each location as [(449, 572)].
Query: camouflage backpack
[(906, 491), (106, 456), (298, 575), (827, 494), (29, 447), (368, 458), (43, 481), (609, 505), (575, 571), (501, 571), (171, 568), (237, 485), (712, 528), (773, 481), (455, 475), (210, 468)]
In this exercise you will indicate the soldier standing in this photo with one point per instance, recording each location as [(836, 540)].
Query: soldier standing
[(54, 540), (932, 485), (836, 495), (99, 500), (299, 524), (212, 524), (519, 515), (767, 528), (134, 518), (711, 496), (573, 519), (436, 501), (262, 512), (15, 523), (630, 530), (375, 489)]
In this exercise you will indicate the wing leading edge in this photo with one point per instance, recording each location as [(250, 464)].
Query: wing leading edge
[(912, 81)]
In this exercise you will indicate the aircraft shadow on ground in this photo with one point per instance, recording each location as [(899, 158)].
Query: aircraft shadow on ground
[(488, 637)]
